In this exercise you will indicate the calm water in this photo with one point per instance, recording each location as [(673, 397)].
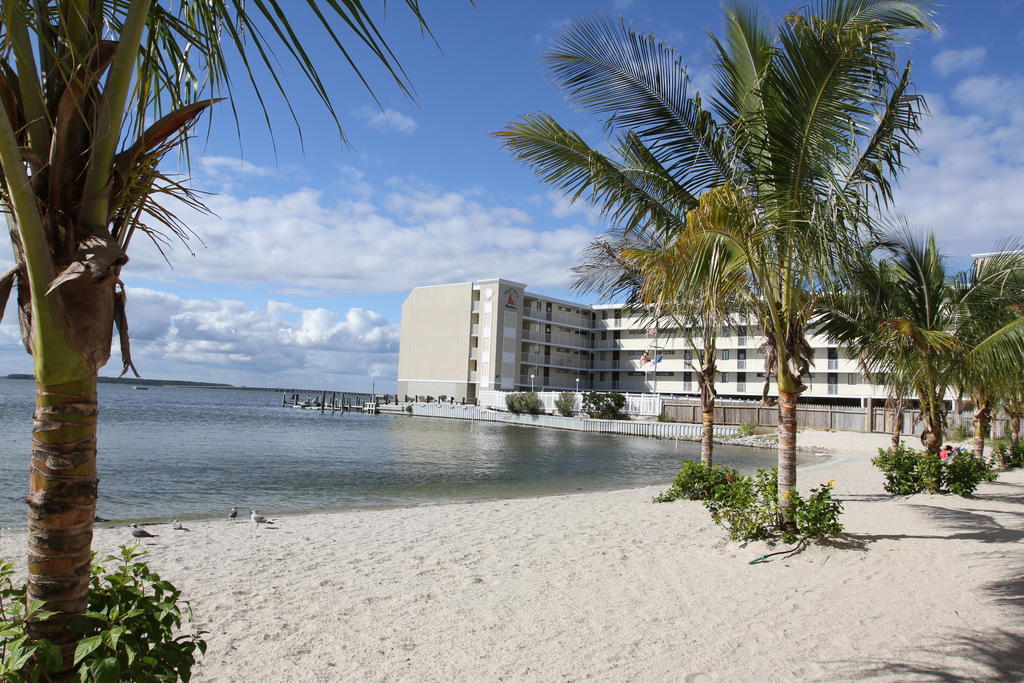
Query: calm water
[(176, 452)]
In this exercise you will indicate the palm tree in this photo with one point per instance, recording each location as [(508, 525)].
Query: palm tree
[(922, 330), (990, 328), (81, 175), (807, 124), (696, 288)]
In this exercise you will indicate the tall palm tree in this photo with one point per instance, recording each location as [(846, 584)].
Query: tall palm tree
[(807, 124), (697, 289), (924, 330), (93, 94)]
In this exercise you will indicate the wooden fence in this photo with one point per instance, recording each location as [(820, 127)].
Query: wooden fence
[(848, 418)]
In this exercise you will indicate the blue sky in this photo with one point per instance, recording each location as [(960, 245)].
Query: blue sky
[(315, 245)]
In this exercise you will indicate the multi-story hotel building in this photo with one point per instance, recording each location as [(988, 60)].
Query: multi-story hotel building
[(460, 339)]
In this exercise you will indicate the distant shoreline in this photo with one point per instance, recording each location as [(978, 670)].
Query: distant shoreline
[(187, 384)]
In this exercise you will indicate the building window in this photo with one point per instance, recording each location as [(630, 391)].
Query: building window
[(851, 379), (635, 374), (725, 377), (725, 354), (687, 354)]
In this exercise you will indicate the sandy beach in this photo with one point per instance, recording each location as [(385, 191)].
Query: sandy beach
[(608, 586)]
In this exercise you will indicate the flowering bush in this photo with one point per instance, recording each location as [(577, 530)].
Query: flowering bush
[(697, 481)]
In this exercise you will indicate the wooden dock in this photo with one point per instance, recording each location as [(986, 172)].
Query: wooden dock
[(329, 401)]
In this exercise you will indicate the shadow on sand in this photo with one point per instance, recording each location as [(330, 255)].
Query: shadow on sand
[(1000, 652)]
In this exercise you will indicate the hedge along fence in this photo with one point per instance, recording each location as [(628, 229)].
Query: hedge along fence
[(664, 430)]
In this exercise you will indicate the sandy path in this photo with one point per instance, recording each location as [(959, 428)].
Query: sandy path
[(608, 586)]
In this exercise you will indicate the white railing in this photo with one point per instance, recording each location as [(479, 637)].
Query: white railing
[(664, 430), (636, 404), (554, 360)]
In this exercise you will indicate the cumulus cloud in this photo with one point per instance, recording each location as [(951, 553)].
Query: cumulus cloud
[(403, 239), (388, 120), (949, 62), (966, 184), (280, 344)]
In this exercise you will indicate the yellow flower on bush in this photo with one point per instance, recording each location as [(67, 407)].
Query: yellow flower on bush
[(786, 494), (831, 482)]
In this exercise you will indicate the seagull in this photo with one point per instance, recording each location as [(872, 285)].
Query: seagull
[(140, 533), (233, 515), (178, 526), (258, 518)]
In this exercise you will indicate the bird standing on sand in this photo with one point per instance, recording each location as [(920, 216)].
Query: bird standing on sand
[(233, 515), (258, 518), (178, 526), (140, 533)]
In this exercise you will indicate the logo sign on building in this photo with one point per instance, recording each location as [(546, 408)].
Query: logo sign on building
[(510, 301)]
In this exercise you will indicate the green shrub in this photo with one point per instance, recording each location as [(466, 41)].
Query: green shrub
[(899, 464), (565, 404), (20, 658), (956, 470), (132, 630), (408, 409), (524, 402), (605, 406), (748, 429), (697, 481), (817, 516), (1006, 456), (748, 506), (964, 471)]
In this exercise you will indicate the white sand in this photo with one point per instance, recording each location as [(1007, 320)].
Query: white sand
[(608, 586)]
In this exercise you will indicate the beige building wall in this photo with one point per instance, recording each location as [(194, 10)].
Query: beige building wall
[(434, 342)]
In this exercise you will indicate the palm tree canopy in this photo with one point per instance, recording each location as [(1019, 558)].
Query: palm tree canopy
[(94, 93)]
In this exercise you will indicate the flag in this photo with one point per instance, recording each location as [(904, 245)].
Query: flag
[(645, 359), (653, 331), (659, 359)]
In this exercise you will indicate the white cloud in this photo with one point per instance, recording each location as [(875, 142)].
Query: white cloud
[(227, 339), (966, 185), (217, 165), (623, 4), (408, 237), (388, 120), (949, 62)]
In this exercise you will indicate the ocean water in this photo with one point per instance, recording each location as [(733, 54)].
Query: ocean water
[(187, 453)]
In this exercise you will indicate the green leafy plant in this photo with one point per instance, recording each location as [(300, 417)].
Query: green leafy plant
[(747, 429), (1006, 456), (953, 470), (818, 515), (22, 659), (899, 464), (961, 433), (524, 402), (606, 406), (565, 404), (131, 630), (748, 507), (408, 409), (697, 481)]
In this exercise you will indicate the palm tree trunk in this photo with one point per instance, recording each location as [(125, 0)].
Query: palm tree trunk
[(1015, 431), (707, 444), (897, 425), (931, 438), (787, 452), (982, 420), (61, 506)]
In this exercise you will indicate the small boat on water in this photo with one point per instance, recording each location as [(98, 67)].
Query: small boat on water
[(138, 388)]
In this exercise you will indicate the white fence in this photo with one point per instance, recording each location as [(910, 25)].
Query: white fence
[(636, 404), (664, 430)]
